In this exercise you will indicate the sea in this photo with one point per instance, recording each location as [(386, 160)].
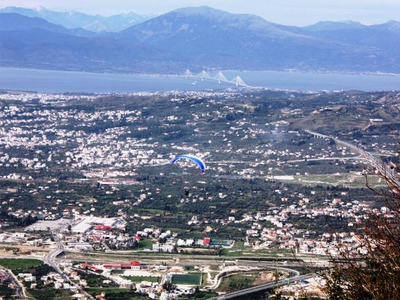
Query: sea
[(48, 81)]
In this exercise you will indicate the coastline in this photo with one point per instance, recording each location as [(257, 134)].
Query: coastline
[(59, 81), (147, 74)]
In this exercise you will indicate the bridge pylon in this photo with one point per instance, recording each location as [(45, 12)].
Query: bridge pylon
[(238, 81), (220, 77), (203, 74), (188, 74)]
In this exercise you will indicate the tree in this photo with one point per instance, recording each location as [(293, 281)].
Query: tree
[(277, 295), (276, 275), (374, 273), (334, 285), (168, 286)]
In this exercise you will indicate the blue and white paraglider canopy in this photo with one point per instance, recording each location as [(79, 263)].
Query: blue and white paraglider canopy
[(194, 159)]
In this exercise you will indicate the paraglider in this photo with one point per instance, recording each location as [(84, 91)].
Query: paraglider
[(192, 158)]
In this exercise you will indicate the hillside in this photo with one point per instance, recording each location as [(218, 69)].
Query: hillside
[(202, 37)]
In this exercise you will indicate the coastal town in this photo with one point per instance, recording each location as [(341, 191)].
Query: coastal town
[(89, 196)]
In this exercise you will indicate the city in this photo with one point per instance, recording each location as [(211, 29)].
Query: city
[(199, 150), (88, 187)]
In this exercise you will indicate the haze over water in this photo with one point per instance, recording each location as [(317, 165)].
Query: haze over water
[(63, 81)]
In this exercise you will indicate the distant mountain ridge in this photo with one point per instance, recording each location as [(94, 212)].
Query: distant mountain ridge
[(209, 37), (14, 21), (73, 19), (330, 25), (202, 38)]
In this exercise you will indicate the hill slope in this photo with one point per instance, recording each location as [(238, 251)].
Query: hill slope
[(210, 37), (202, 37)]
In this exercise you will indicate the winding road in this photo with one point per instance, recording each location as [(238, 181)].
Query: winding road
[(50, 259), (262, 287)]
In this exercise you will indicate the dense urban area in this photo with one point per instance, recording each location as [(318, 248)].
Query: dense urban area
[(92, 208)]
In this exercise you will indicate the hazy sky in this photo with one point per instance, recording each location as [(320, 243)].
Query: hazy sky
[(291, 12)]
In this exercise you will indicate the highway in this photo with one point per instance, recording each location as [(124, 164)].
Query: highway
[(184, 261), (377, 164), (262, 287), (50, 259)]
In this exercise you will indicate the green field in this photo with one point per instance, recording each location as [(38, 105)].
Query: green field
[(96, 291), (145, 244), (14, 264), (141, 278), (187, 279), (204, 277)]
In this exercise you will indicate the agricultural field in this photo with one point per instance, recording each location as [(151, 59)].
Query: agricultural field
[(237, 282), (145, 244), (242, 281), (141, 278), (15, 264)]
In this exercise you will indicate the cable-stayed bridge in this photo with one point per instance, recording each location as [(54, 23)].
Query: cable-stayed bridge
[(220, 77)]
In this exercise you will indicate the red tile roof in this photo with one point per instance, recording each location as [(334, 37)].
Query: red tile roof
[(135, 263), (102, 227)]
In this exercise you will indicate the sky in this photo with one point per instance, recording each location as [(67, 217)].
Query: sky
[(288, 12)]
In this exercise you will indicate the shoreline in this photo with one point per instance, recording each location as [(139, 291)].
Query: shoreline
[(174, 75), (77, 82)]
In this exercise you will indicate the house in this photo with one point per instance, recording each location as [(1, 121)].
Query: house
[(163, 247), (85, 266), (79, 296), (28, 277), (102, 296), (135, 265), (103, 227), (95, 239)]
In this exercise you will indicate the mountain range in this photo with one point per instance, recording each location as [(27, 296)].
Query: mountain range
[(197, 38), (73, 19)]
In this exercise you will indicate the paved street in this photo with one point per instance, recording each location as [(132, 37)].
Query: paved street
[(50, 259), (262, 287)]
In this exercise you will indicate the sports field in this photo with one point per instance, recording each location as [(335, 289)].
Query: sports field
[(187, 279)]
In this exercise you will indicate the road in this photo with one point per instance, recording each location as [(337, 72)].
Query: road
[(184, 260), (50, 259), (288, 257), (247, 269), (325, 158), (377, 164), (262, 287)]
